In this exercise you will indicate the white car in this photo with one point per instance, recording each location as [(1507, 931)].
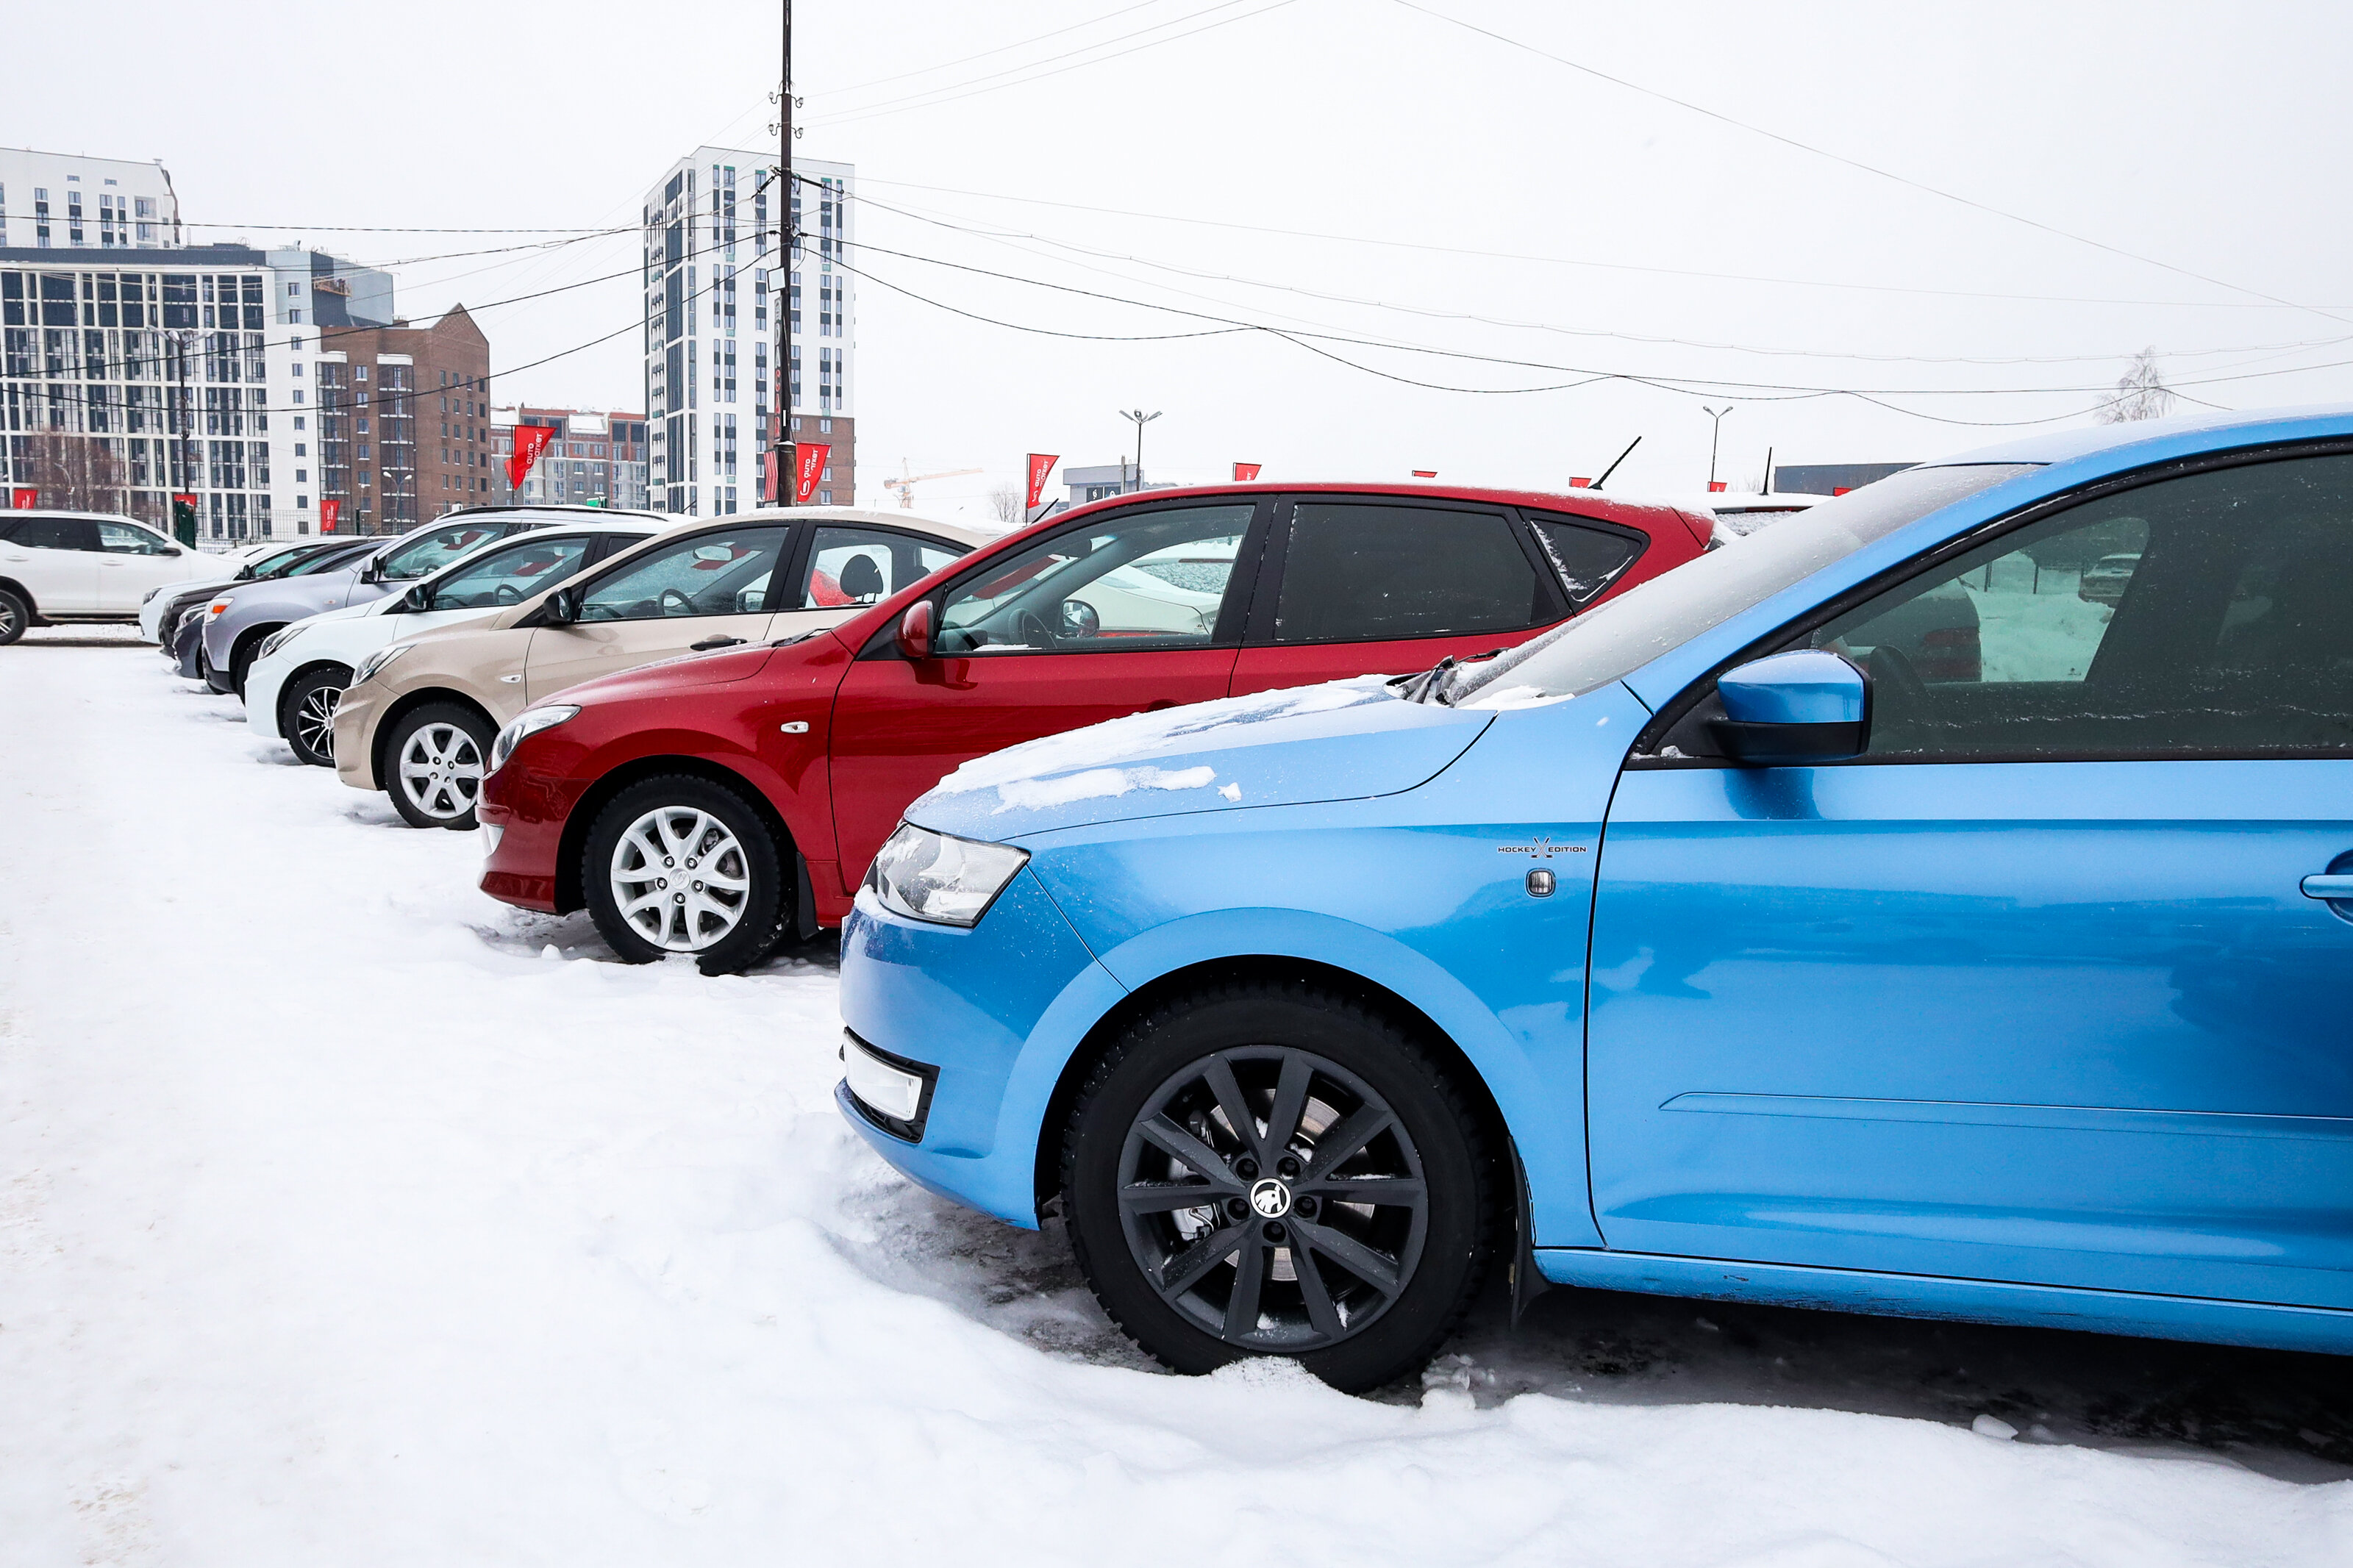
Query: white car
[(297, 681), (83, 567), (224, 567)]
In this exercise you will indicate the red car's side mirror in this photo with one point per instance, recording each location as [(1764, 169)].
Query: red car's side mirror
[(915, 630)]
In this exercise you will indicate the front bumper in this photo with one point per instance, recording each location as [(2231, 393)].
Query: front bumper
[(263, 684), (527, 812), (997, 1010), (356, 735)]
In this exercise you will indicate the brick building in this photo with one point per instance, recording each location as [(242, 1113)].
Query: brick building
[(594, 458), (404, 423)]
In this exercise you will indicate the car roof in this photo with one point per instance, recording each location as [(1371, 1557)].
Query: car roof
[(2087, 441), (904, 521), (1588, 501), (16, 513)]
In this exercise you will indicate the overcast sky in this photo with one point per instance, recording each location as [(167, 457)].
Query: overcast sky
[(1440, 189)]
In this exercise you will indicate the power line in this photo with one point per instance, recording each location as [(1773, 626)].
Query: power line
[(985, 54), (953, 94), (1686, 104), (1549, 327), (1476, 254)]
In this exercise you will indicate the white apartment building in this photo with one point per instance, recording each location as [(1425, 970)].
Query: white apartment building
[(58, 200), (720, 301), (132, 375)]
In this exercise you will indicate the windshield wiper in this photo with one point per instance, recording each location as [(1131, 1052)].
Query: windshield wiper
[(1430, 686)]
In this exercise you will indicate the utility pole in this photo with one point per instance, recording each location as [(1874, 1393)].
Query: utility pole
[(786, 449), (1717, 433), (1141, 419)]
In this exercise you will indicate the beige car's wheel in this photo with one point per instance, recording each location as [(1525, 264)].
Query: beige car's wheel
[(435, 763)]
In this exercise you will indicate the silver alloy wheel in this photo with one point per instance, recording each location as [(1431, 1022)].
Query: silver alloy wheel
[(679, 879), (440, 770), (7, 617), (314, 721)]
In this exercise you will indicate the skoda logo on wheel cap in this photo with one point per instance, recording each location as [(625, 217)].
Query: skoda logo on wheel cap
[(1271, 1198)]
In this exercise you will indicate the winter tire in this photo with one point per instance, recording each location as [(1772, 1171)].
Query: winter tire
[(15, 616), (434, 766), (680, 865), (1279, 1169), (306, 713)]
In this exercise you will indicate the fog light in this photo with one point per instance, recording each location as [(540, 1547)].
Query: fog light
[(491, 834), (895, 1093)]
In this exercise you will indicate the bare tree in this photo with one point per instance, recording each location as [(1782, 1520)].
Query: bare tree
[(1005, 501), (75, 473), (2141, 393)]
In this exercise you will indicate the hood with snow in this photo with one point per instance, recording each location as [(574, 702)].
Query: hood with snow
[(1347, 741)]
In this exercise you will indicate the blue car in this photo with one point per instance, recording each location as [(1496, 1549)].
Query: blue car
[(1717, 944)]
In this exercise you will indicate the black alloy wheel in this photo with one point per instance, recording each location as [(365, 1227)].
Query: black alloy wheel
[(306, 713), (15, 616), (1279, 1169)]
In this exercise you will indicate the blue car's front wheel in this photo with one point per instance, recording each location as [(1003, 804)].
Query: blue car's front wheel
[(1279, 1169)]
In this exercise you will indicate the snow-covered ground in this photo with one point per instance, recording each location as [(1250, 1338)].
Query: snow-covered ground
[(348, 1217)]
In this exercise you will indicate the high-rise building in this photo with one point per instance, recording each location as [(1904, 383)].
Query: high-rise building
[(405, 422), (129, 375), (720, 299), (592, 458), (60, 201)]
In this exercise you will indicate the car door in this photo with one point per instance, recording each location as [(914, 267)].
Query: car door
[(56, 558), (1137, 607), (2041, 987), (1385, 585), (132, 560), (711, 587)]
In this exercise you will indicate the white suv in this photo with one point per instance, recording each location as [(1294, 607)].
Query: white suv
[(83, 567)]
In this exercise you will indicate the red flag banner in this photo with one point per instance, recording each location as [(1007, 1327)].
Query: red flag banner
[(812, 460), (1425, 473), (1041, 465), (1245, 472), (24, 498), (768, 475), (530, 441), (331, 513)]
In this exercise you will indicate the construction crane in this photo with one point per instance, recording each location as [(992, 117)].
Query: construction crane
[(906, 482)]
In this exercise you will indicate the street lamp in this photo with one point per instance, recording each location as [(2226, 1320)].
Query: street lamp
[(1141, 419), (1716, 435)]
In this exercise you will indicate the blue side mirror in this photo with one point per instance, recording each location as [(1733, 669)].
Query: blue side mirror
[(1790, 710)]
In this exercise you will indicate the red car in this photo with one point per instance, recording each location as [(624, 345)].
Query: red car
[(713, 805)]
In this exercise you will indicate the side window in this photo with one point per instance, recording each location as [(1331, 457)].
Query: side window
[(721, 572), (851, 566), (2201, 615), (121, 539), (510, 574), (429, 552), (1588, 558), (1139, 580), (1356, 573), (54, 533)]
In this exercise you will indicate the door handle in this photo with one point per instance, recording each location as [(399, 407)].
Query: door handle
[(707, 644), (2339, 886)]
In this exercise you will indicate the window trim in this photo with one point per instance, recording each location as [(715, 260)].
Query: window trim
[(1232, 612), (588, 579), (1669, 724), (1261, 631)]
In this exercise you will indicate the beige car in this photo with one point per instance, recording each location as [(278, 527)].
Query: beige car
[(419, 715)]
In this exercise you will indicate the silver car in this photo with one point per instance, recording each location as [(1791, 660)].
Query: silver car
[(237, 620)]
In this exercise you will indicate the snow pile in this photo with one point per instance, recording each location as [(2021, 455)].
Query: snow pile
[(339, 1224), (1155, 733), (1096, 783)]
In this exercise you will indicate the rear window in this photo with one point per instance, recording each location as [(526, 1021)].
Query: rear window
[(1588, 558), (1356, 573), (1613, 640)]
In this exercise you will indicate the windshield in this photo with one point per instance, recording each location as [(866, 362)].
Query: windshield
[(1613, 639), (427, 552), (328, 560), (287, 562)]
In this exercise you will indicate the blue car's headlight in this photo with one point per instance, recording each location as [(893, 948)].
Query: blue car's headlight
[(935, 877)]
